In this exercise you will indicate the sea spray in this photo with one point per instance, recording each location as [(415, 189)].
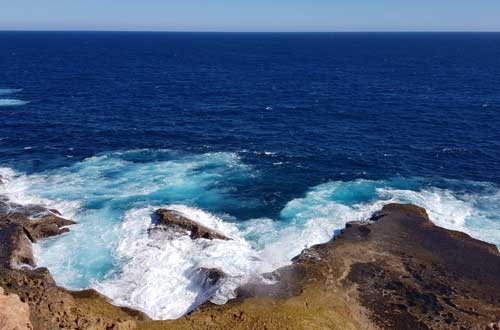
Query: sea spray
[(158, 272), (113, 196)]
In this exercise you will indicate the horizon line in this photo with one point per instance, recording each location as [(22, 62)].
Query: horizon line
[(248, 31)]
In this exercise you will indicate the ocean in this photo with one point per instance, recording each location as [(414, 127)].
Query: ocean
[(276, 140)]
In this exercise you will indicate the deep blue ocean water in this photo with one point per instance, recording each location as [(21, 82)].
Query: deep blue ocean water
[(276, 139)]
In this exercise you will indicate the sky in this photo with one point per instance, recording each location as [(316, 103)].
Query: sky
[(251, 15)]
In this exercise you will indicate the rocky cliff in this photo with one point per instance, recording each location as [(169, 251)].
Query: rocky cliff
[(396, 270)]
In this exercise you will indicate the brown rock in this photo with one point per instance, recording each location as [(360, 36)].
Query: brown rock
[(15, 247), (175, 220), (14, 314), (17, 231), (53, 307), (399, 271), (47, 226), (493, 326), (50, 306)]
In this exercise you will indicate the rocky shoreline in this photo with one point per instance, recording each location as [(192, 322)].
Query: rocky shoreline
[(396, 270)]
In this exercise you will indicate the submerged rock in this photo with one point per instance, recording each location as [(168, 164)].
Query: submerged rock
[(175, 220), (210, 281)]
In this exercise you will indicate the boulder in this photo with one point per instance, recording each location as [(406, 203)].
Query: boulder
[(172, 219)]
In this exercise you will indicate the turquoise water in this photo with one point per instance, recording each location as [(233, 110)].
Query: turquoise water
[(113, 195)]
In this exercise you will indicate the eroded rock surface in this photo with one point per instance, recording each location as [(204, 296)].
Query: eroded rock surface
[(14, 314), (53, 307)]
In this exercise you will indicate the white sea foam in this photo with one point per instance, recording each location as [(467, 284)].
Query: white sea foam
[(260, 153), (16, 187), (112, 196), (305, 222), (314, 218), (12, 102), (158, 273), (445, 209)]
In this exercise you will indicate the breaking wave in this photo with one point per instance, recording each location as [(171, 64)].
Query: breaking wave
[(113, 195)]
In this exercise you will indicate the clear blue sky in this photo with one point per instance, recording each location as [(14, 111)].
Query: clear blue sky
[(251, 15)]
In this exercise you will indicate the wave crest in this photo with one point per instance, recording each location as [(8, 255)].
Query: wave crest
[(12, 102)]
